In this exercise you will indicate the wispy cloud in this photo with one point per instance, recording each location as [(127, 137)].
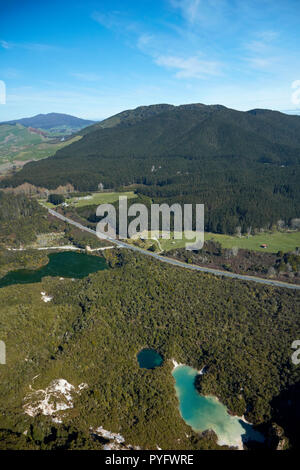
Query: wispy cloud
[(4, 44), (166, 50), (262, 50), (87, 77), (144, 40), (191, 67), (263, 41), (9, 73), (261, 62), (38, 47), (108, 20), (295, 98), (188, 8), (188, 50), (115, 20), (30, 46), (206, 13)]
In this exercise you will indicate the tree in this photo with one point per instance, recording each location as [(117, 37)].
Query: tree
[(56, 199)]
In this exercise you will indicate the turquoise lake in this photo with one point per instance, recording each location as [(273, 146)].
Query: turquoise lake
[(65, 264), (149, 359), (202, 413)]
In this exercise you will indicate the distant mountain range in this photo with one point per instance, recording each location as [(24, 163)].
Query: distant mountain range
[(243, 165), (52, 121), (36, 137)]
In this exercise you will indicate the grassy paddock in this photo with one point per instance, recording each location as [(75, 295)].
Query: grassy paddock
[(96, 198), (101, 198), (17, 143), (276, 241)]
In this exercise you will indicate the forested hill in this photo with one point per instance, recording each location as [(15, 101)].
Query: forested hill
[(21, 219), (130, 116), (243, 165), (52, 120)]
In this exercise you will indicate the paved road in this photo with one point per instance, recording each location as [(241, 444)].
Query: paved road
[(174, 262)]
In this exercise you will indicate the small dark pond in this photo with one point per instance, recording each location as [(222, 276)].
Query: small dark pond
[(149, 359)]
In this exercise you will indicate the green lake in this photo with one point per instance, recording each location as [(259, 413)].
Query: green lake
[(66, 264), (149, 359), (202, 413)]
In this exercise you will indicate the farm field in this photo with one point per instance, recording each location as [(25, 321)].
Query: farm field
[(19, 143), (100, 198), (92, 199), (275, 241)]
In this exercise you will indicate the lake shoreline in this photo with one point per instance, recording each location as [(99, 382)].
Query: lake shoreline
[(64, 264), (238, 443)]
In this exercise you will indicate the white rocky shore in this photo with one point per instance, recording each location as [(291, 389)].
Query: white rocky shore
[(176, 364)]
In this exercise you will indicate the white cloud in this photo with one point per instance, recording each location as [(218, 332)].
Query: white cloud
[(87, 77), (261, 62), (208, 13), (263, 54), (295, 98), (296, 84), (34, 46), (191, 67), (4, 44), (263, 42), (106, 20), (189, 8), (144, 40), (116, 21), (165, 49)]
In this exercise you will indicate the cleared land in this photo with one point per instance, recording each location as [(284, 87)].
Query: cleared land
[(93, 199), (275, 241), (100, 198), (19, 143)]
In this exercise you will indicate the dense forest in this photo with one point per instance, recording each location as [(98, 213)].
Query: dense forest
[(244, 166), (21, 219), (93, 328)]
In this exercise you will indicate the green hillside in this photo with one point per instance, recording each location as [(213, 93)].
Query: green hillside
[(130, 116), (19, 144), (244, 166), (36, 137)]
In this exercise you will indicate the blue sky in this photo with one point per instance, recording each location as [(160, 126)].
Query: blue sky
[(94, 58)]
